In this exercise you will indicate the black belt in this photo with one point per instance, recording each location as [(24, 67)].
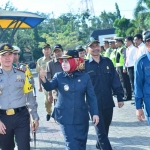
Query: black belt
[(12, 111)]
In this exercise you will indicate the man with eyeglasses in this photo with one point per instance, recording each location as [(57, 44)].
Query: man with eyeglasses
[(142, 82)]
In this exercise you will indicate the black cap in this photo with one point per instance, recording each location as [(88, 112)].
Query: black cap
[(46, 46), (91, 41), (57, 46), (146, 36), (70, 54), (5, 47), (80, 48)]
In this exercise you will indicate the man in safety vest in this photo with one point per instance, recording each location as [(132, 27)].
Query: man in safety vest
[(120, 60)]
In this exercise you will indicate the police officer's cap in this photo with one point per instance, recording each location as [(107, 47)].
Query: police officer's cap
[(118, 38), (91, 41), (70, 54), (46, 46), (57, 46), (106, 40), (16, 49), (80, 48), (112, 41), (5, 47), (146, 36)]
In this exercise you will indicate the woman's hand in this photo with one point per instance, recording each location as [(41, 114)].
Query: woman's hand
[(95, 120)]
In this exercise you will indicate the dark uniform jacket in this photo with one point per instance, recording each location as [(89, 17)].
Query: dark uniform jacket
[(105, 80), (71, 107)]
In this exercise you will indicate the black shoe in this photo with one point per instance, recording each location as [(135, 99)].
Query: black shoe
[(132, 103), (48, 116), (98, 146)]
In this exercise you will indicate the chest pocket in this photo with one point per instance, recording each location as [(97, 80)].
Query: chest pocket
[(19, 83), (147, 73)]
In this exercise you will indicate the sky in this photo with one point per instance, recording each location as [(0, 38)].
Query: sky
[(59, 7)]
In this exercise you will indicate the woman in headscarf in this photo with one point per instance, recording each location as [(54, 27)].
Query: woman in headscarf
[(71, 108)]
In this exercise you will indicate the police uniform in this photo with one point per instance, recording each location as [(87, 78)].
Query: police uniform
[(108, 50), (42, 62), (105, 80), (113, 54), (142, 81), (71, 109), (120, 63), (13, 111)]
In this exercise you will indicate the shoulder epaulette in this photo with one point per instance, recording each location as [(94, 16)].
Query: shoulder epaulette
[(20, 69), (24, 64)]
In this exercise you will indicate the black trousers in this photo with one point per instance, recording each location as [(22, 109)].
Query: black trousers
[(125, 81), (131, 76), (17, 125), (102, 128)]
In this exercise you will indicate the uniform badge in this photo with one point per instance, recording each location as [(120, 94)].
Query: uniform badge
[(79, 80), (0, 92), (66, 87), (107, 67), (18, 76)]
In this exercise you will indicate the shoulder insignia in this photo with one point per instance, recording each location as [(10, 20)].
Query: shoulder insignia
[(20, 69)]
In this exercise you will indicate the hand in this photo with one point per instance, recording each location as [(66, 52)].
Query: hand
[(35, 125), (124, 71), (95, 120), (50, 98), (42, 74), (120, 104), (2, 128), (140, 115), (40, 89)]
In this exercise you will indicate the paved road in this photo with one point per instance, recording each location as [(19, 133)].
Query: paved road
[(126, 133)]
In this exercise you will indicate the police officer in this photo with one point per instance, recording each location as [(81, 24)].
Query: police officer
[(113, 53), (105, 80), (14, 116), (120, 63), (42, 62), (71, 109), (81, 51), (142, 82), (53, 67), (108, 50)]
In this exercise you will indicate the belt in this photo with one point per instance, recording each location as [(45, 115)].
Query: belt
[(12, 111)]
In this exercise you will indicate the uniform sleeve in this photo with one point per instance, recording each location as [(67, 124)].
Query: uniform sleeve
[(53, 84), (116, 84), (37, 66), (48, 69), (91, 97), (32, 106), (138, 85)]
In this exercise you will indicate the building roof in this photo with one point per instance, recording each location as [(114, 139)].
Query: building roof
[(97, 33)]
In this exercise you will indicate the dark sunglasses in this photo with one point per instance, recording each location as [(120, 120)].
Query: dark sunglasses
[(15, 53)]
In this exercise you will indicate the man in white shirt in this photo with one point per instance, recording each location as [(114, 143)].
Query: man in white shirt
[(138, 40), (130, 61)]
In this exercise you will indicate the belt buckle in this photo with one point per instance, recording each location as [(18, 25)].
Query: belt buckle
[(10, 112)]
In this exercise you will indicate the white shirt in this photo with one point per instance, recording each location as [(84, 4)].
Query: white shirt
[(142, 49), (130, 56)]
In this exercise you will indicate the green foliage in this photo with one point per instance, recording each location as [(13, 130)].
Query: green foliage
[(71, 30)]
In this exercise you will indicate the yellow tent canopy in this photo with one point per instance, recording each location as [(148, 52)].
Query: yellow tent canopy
[(17, 20)]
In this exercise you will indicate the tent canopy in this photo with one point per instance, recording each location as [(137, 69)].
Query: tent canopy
[(17, 20), (14, 19)]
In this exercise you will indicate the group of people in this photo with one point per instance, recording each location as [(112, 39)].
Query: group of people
[(80, 82)]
